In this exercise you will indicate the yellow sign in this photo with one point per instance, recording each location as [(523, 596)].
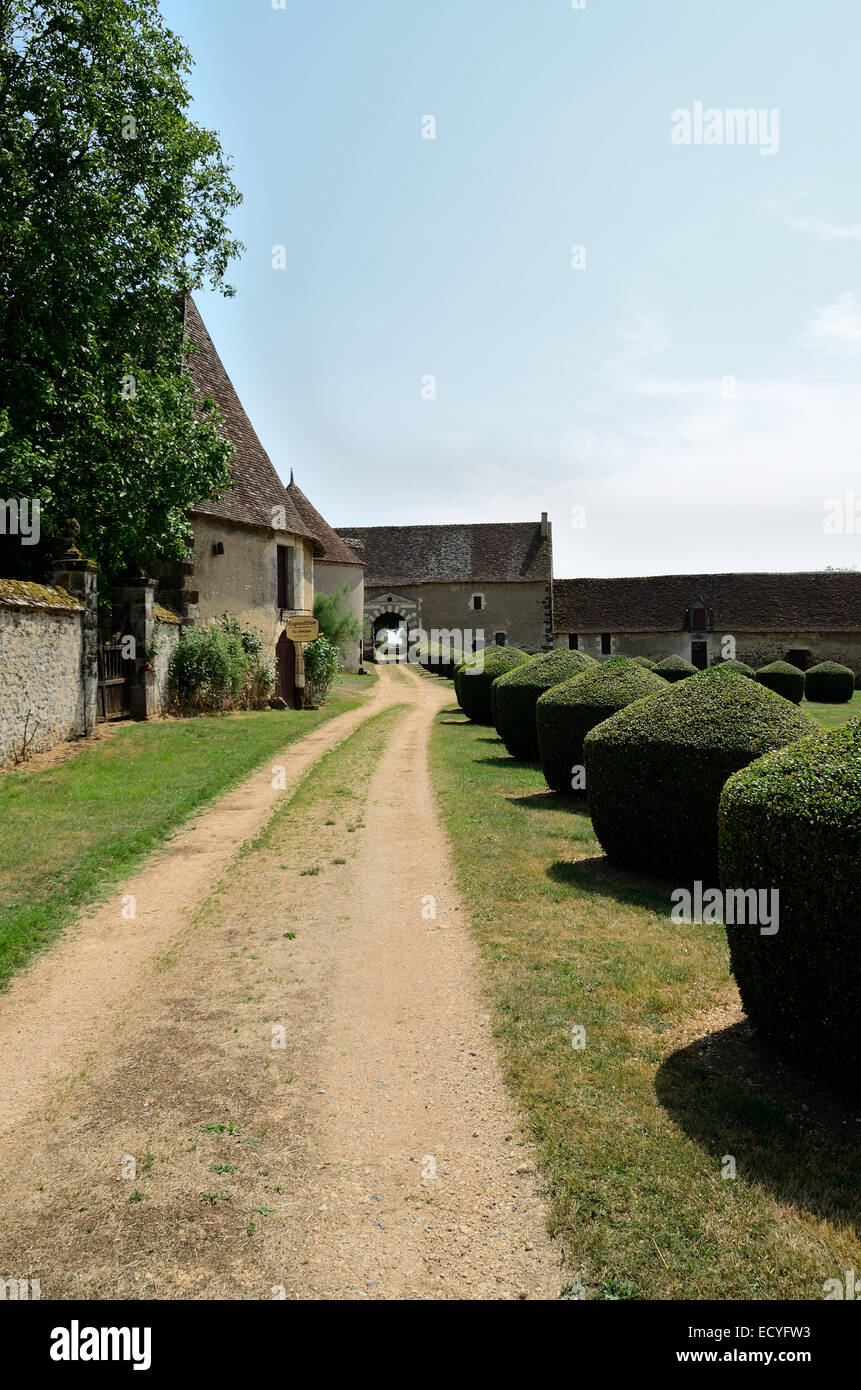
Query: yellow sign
[(302, 629)]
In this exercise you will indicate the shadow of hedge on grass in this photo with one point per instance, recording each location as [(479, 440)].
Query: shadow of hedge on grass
[(785, 1128)]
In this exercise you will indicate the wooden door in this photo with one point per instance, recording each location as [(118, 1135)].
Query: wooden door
[(285, 682)]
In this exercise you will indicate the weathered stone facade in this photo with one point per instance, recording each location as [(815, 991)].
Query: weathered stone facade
[(41, 659), (487, 582)]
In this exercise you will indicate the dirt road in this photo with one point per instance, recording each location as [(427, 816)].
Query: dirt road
[(279, 1080)]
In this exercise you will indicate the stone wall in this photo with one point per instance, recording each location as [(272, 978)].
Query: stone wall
[(521, 611), (755, 648), (41, 658), (332, 579), (167, 636)]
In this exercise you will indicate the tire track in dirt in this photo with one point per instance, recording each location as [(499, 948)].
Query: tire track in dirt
[(55, 1015), (378, 1155)]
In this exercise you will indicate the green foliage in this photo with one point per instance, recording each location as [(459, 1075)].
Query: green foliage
[(260, 673), (655, 771), (674, 668), (208, 669), (783, 678), (113, 203), (567, 712), (337, 626), (516, 693), (644, 661), (792, 821), (740, 667), (322, 667), (473, 680), (829, 683)]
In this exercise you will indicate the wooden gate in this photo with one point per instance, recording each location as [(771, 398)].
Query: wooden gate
[(114, 683)]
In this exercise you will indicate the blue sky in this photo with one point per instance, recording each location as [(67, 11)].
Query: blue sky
[(693, 388)]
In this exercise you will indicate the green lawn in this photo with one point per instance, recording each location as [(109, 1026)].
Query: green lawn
[(68, 832), (832, 716), (634, 1128)]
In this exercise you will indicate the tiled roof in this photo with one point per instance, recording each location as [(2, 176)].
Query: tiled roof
[(492, 552), (800, 602), (258, 488), (335, 551), (21, 593)]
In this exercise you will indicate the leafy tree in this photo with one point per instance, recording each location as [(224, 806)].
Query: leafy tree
[(336, 626), (112, 206)]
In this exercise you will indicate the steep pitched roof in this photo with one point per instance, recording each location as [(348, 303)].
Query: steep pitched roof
[(335, 551), (805, 602), (258, 488), (491, 552)]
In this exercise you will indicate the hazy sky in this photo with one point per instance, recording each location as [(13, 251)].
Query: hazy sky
[(694, 387)]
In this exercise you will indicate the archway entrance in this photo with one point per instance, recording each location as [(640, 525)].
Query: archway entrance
[(391, 637)]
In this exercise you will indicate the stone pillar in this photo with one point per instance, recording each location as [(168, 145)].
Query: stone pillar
[(135, 595), (78, 576)]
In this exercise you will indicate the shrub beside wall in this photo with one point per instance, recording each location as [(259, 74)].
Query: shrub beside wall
[(829, 683), (792, 821), (786, 680), (517, 692), (473, 680), (567, 712), (655, 771)]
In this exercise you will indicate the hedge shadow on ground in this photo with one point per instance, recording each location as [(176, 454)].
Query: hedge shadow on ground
[(598, 875), (786, 1129), (545, 801), (506, 763)]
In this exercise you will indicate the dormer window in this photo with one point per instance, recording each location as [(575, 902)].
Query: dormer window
[(699, 618)]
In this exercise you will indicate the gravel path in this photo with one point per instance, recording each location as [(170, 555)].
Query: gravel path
[(378, 1156)]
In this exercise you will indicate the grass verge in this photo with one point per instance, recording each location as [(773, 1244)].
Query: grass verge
[(636, 1129), (70, 831)]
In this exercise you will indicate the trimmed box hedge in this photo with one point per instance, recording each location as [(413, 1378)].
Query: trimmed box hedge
[(792, 821), (644, 661), (473, 680), (675, 668), (566, 713), (741, 668), (783, 678), (655, 771), (516, 693), (829, 683)]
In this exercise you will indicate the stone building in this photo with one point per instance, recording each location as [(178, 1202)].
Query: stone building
[(253, 554), (802, 618), (492, 578), (338, 570)]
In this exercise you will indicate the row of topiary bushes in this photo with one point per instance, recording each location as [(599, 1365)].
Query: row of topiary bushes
[(717, 776)]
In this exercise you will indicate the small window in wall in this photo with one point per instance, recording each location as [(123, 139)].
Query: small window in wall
[(499, 639), (286, 594), (606, 644), (477, 602), (573, 642)]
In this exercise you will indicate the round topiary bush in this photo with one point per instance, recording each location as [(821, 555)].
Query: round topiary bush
[(565, 713), (516, 693), (644, 661), (786, 680), (674, 668), (475, 678), (829, 683), (792, 822), (655, 771), (741, 668)]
